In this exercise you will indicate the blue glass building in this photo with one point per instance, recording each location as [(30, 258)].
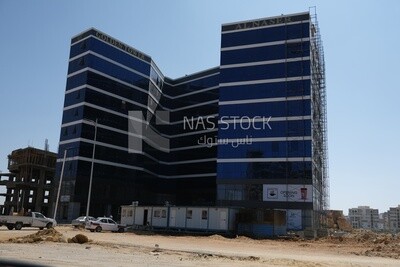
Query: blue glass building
[(272, 70), (249, 133)]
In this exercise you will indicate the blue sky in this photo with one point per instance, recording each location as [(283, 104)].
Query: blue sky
[(361, 40)]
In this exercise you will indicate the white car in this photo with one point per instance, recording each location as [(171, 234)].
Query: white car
[(81, 221), (104, 223)]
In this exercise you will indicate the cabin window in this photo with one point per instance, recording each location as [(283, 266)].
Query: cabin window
[(157, 213), (189, 214), (204, 215), (164, 214)]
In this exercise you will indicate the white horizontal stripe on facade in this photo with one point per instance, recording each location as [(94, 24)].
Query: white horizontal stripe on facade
[(189, 133), (263, 160), (266, 62), (114, 63), (79, 139), (194, 79), (155, 67), (248, 140), (139, 104), (194, 92), (135, 168), (135, 87), (111, 78), (119, 65), (276, 80), (132, 134), (193, 106), (292, 118), (108, 77), (263, 100), (270, 139), (238, 47)]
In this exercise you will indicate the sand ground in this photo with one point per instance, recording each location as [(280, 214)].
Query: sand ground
[(148, 249)]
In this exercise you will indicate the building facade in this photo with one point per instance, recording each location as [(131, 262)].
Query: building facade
[(393, 216), (272, 73), (249, 133), (364, 217), (107, 80)]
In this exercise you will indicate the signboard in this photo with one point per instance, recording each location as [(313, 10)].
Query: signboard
[(112, 41), (290, 192), (293, 219), (265, 22)]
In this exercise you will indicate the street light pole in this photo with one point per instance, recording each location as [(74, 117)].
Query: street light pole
[(59, 185), (91, 168)]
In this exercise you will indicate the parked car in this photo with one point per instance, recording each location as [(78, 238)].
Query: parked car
[(81, 221), (106, 224)]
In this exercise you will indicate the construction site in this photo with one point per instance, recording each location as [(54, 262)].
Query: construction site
[(29, 181)]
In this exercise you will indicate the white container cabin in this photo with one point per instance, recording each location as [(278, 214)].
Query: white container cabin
[(214, 219)]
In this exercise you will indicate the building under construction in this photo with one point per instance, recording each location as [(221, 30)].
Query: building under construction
[(29, 181)]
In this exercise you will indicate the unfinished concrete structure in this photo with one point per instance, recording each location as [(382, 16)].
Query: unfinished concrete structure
[(29, 182)]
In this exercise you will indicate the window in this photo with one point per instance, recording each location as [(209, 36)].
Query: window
[(82, 61), (157, 213), (164, 214), (204, 215), (123, 213), (30, 200), (45, 201), (83, 45), (130, 213), (275, 146), (46, 193), (189, 214), (65, 133)]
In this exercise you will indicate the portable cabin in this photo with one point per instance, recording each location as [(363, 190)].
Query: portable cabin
[(214, 219)]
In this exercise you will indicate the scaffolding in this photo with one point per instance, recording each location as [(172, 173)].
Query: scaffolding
[(29, 183), (319, 122)]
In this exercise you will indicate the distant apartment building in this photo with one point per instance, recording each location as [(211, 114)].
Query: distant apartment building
[(364, 217), (394, 219)]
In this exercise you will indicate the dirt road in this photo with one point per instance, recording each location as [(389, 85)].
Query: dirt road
[(130, 249)]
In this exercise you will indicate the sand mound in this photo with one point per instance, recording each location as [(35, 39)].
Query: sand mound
[(50, 235)]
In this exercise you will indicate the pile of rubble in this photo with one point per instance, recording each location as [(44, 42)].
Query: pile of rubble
[(374, 244), (336, 220), (51, 235), (378, 244)]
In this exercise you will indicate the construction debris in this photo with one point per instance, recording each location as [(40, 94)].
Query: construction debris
[(336, 220), (50, 235)]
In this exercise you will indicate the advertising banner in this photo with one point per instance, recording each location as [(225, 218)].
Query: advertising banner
[(290, 192)]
